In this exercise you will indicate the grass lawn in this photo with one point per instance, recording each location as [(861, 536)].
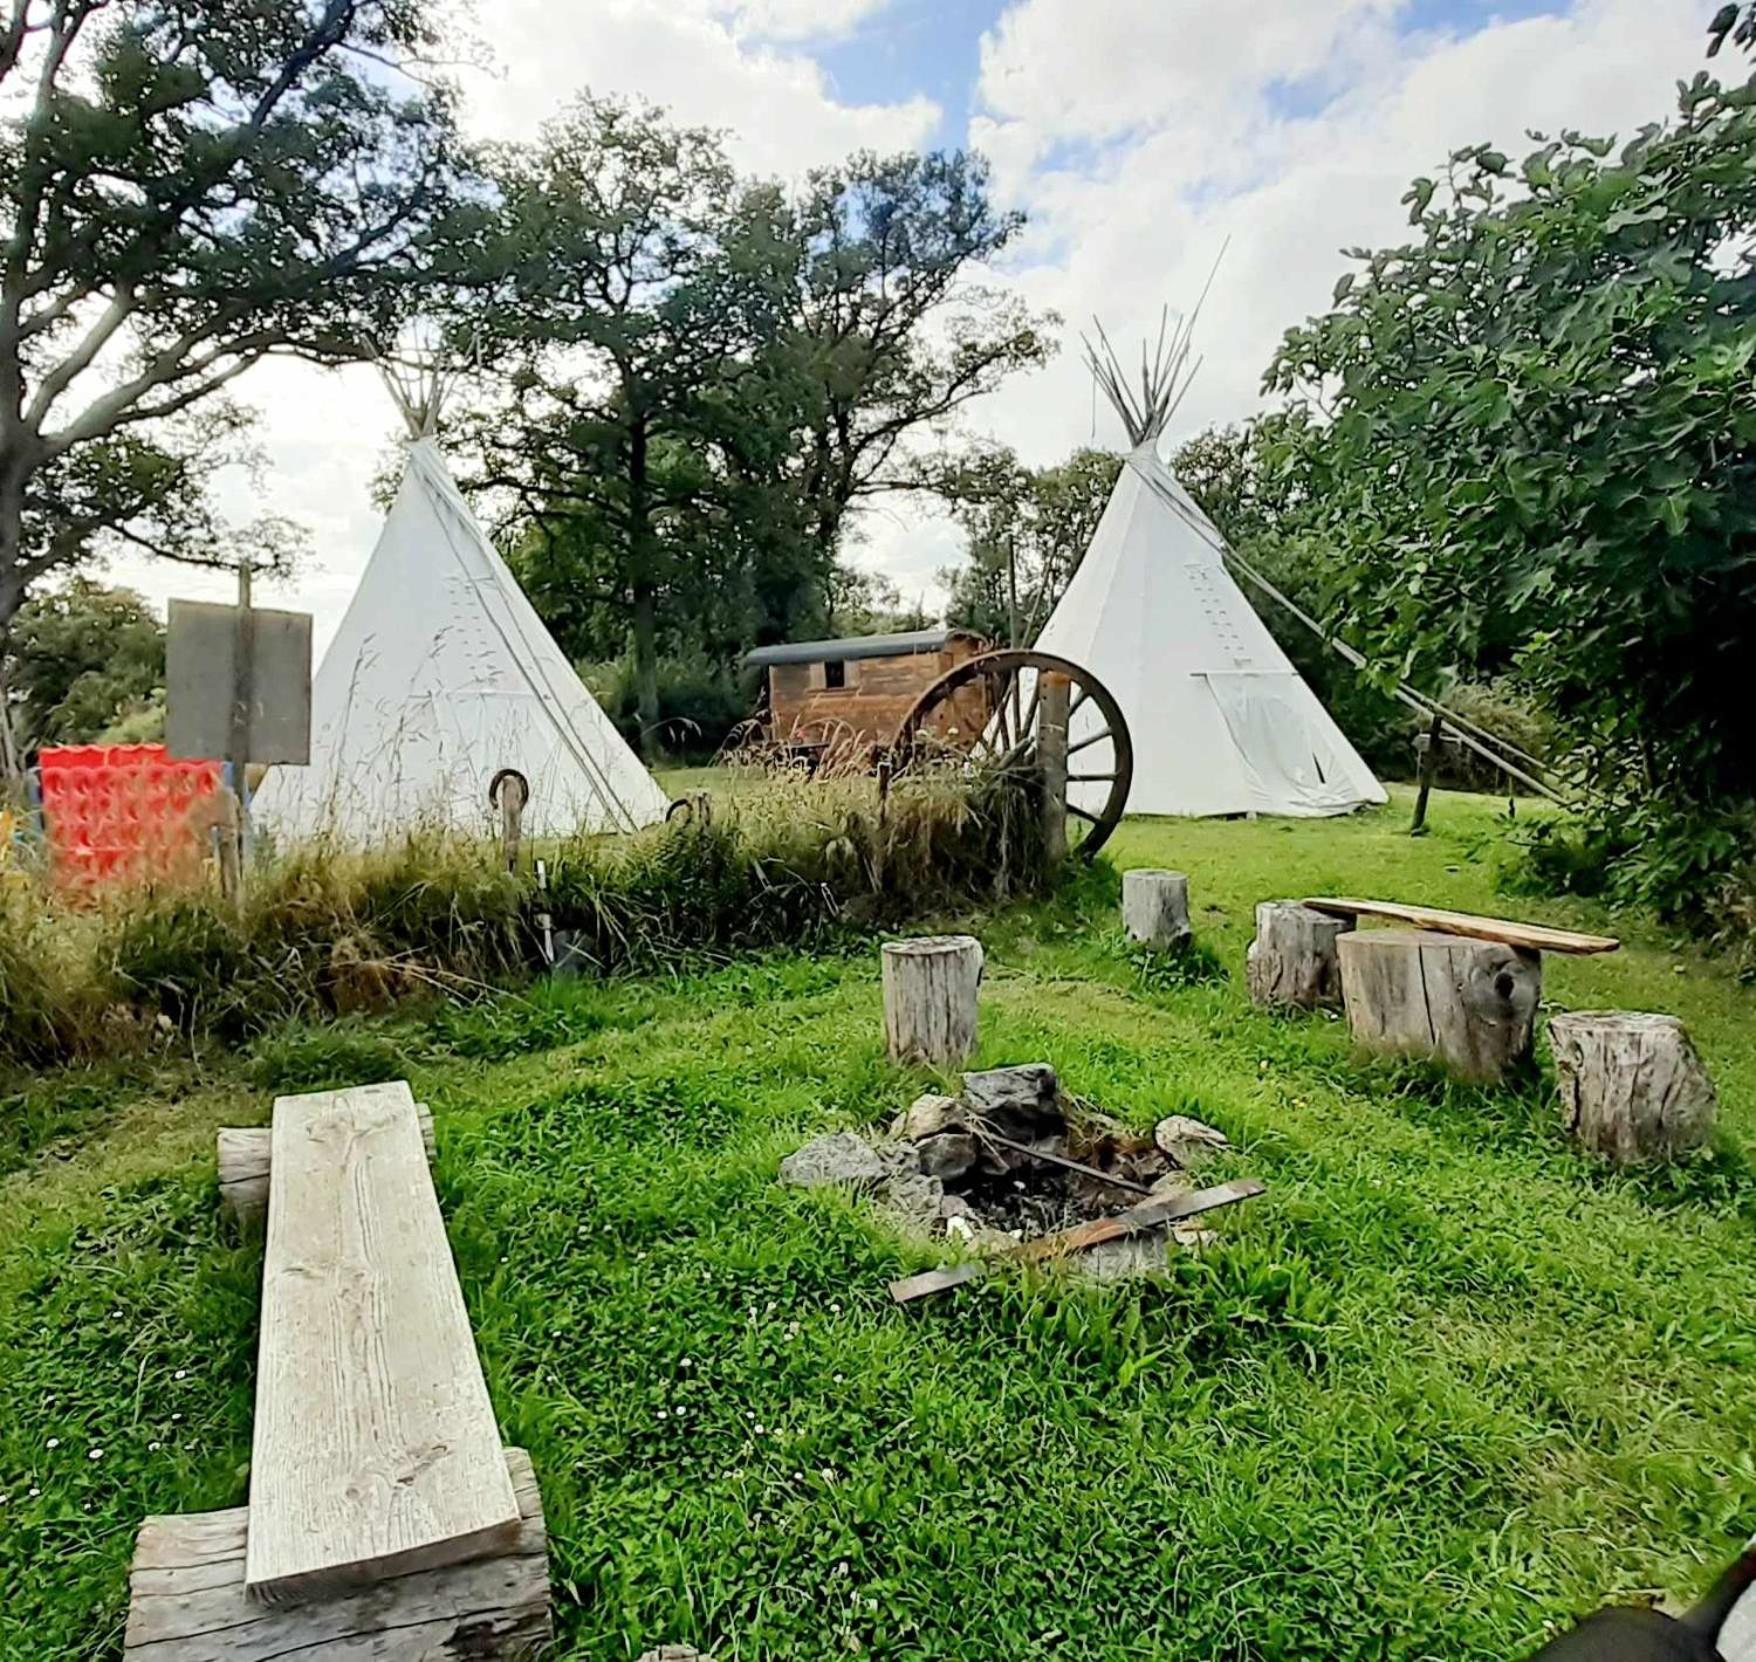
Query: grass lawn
[(1444, 1384)]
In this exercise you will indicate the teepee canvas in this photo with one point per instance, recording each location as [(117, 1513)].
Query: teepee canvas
[(441, 675), (1221, 721)]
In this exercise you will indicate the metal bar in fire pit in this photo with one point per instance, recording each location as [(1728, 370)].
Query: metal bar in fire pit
[(1065, 1164)]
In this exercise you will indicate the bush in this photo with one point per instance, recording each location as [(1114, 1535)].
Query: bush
[(699, 704), (1692, 869)]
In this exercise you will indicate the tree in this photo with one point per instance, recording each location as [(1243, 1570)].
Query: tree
[(187, 187), (1523, 443), (80, 659), (893, 330), (1028, 529), (626, 331)]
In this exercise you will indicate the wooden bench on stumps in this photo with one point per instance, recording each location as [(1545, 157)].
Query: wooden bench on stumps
[(1450, 985), (385, 1517)]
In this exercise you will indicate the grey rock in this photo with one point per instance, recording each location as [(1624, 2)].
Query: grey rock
[(1188, 1141), (927, 1116), (949, 1155), (913, 1198), (1030, 1091), (840, 1159), (1172, 1183), (955, 1206), (675, 1653)]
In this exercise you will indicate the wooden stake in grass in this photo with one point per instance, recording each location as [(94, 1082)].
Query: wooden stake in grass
[(930, 1002)]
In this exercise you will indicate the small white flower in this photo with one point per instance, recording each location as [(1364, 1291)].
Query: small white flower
[(152, 1448), (175, 1418), (115, 1315), (53, 1442), (94, 1454), (838, 1379), (3, 1500), (759, 1431), (835, 1309), (34, 1493), (798, 1477), (181, 1373), (662, 1414), (685, 1363), (828, 1476)]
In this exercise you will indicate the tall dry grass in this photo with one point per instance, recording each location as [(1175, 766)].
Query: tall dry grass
[(327, 930)]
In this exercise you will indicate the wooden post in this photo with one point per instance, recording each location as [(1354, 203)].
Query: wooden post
[(1632, 1085), (1470, 1004), (1429, 765), (243, 697), (930, 1002), (1052, 761), (1155, 907), (511, 792), (1293, 963)]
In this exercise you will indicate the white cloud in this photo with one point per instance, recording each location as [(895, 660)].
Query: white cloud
[(1134, 222), (702, 60)]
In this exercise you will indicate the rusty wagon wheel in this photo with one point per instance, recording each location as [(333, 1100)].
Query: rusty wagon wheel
[(985, 713)]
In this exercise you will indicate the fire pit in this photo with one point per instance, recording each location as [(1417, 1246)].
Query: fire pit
[(1013, 1159)]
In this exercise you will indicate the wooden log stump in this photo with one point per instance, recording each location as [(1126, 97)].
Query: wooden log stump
[(1470, 1004), (1632, 1085), (930, 998), (187, 1600), (1155, 907), (1293, 962), (246, 1153)]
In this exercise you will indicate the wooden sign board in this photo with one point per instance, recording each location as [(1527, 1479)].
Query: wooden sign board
[(200, 683)]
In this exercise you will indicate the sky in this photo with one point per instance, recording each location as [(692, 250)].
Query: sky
[(1140, 137)]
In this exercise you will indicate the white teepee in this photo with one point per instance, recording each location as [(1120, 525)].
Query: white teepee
[(1221, 721), (441, 675)]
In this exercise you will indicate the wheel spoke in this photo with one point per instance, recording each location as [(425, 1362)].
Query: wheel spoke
[(1091, 779), (1084, 813), (1085, 744)]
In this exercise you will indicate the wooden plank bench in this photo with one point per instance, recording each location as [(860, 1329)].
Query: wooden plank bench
[(188, 1602), (376, 1452), (246, 1153), (1531, 937), (1450, 985)]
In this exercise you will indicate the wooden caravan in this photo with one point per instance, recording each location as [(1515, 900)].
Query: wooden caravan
[(850, 695)]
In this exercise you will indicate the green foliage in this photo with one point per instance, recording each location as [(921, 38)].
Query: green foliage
[(79, 660), (185, 188), (698, 703), (1535, 464), (1028, 527)]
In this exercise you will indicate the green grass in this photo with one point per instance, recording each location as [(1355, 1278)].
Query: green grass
[(1444, 1384)]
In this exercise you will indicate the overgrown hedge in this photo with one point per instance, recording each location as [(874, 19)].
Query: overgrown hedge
[(325, 931)]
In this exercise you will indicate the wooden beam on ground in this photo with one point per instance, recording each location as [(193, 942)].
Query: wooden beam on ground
[(1137, 1220), (1533, 937), (246, 1152), (188, 1604), (376, 1453)]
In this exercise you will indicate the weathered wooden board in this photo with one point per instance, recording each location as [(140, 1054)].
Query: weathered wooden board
[(931, 998), (1137, 1220), (188, 1603), (1534, 937), (246, 1152), (375, 1450)]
